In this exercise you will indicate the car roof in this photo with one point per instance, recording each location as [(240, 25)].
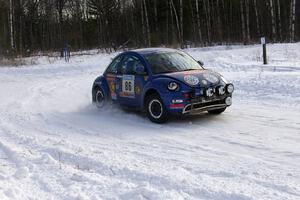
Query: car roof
[(146, 51)]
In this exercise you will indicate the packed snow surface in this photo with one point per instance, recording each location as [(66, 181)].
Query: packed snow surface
[(55, 145)]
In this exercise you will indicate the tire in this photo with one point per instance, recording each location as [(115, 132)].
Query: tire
[(216, 112), (155, 109), (99, 98)]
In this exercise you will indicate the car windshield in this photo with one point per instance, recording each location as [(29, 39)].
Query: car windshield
[(167, 62)]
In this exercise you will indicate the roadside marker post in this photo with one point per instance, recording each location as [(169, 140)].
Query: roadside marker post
[(263, 42)]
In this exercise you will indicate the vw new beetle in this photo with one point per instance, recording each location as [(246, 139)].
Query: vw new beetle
[(162, 82)]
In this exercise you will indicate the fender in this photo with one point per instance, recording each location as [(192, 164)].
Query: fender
[(159, 85), (102, 83)]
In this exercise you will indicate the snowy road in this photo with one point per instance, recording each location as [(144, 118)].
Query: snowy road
[(55, 145)]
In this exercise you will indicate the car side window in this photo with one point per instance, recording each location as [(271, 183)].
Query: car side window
[(113, 67), (132, 65)]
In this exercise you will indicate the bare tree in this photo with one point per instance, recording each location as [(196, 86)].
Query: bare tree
[(208, 21), (11, 25), (181, 21), (147, 24), (155, 15), (198, 21), (243, 21), (219, 23), (247, 21), (272, 20), (256, 18), (292, 20), (177, 21), (20, 32), (60, 6), (279, 20), (143, 20)]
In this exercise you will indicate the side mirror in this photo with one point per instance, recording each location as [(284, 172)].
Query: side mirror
[(200, 63), (140, 69)]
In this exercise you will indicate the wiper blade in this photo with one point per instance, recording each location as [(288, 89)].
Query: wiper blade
[(188, 70), (164, 72)]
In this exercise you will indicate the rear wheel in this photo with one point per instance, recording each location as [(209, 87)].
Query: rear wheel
[(155, 109), (99, 98), (216, 112)]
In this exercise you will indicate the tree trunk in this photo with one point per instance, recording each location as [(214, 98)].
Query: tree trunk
[(177, 21), (181, 22), (155, 16), (147, 25), (172, 22), (292, 20), (226, 29), (99, 30), (230, 26), (194, 34), (21, 28), (279, 20), (243, 22), (256, 18), (85, 15), (143, 21), (60, 6), (273, 20), (167, 24), (247, 21), (219, 24), (207, 15), (11, 26), (198, 22)]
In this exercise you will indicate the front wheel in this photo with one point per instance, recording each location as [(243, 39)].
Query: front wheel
[(216, 112), (99, 98), (155, 109)]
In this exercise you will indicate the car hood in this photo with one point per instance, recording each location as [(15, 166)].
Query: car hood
[(197, 78)]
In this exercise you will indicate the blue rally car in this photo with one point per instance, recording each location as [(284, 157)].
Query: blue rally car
[(161, 82)]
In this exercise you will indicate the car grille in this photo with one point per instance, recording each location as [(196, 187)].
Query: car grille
[(209, 103), (204, 104)]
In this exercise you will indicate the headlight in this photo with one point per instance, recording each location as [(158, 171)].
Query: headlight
[(230, 88), (228, 101), (221, 90), (173, 86), (209, 92)]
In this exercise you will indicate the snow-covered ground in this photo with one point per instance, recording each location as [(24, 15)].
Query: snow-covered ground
[(55, 145)]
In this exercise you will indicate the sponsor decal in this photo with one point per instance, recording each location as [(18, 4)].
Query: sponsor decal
[(191, 79), (111, 77), (128, 86), (137, 90), (176, 106), (112, 86), (113, 96), (112, 89), (204, 82), (177, 101), (127, 94), (211, 78)]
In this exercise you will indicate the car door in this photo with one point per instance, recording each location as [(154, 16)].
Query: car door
[(133, 73), (111, 74)]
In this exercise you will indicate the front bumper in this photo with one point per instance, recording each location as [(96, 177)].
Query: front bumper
[(199, 100), (202, 106)]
